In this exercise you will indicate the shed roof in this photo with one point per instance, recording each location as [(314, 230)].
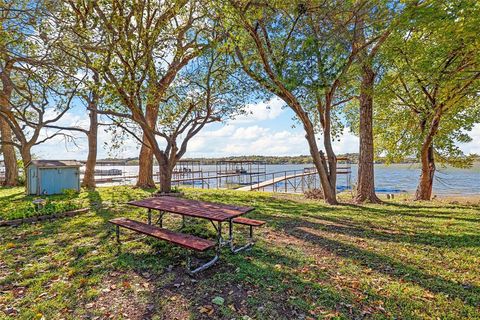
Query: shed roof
[(55, 163)]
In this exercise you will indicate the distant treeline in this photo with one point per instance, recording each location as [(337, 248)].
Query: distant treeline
[(301, 159)]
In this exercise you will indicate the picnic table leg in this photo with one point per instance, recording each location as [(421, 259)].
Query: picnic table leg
[(247, 246), (230, 232), (160, 219), (213, 260), (117, 233), (149, 216), (219, 234)]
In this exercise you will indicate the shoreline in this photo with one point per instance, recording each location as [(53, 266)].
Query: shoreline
[(466, 199)]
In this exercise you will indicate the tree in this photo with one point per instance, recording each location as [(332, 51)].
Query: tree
[(208, 89), (8, 151), (302, 52), (141, 48), (7, 35), (92, 134), (35, 106), (431, 89), (376, 21), (90, 95), (34, 92)]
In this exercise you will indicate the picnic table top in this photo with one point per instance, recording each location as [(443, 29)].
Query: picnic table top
[(192, 208)]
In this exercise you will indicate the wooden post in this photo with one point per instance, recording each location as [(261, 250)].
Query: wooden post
[(117, 232)]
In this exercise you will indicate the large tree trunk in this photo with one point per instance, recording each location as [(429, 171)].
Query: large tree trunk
[(9, 157), (89, 176), (425, 185), (166, 178), (366, 176), (330, 162), (321, 166), (26, 153), (8, 150), (145, 159), (145, 167)]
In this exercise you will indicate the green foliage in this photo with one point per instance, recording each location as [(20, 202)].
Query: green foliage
[(16, 205), (430, 70), (306, 50)]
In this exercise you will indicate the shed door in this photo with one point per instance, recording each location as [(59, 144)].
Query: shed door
[(56, 180), (32, 180), (50, 181), (70, 179)]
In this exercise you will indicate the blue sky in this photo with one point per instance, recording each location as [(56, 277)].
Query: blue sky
[(266, 130)]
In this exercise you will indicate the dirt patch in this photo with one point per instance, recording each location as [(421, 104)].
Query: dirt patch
[(124, 295)]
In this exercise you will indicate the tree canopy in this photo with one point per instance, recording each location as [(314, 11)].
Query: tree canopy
[(403, 75)]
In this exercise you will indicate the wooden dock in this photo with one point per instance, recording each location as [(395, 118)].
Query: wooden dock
[(204, 178), (266, 183)]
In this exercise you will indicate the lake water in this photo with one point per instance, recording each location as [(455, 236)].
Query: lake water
[(388, 179)]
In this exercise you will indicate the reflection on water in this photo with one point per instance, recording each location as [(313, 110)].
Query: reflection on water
[(392, 178)]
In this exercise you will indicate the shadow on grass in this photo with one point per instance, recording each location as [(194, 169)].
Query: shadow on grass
[(468, 293), (348, 228), (263, 284), (423, 212), (13, 195), (259, 274)]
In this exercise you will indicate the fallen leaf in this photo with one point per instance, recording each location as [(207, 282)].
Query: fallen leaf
[(206, 309)]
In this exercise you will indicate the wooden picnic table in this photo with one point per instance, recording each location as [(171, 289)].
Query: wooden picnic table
[(192, 208), (215, 212)]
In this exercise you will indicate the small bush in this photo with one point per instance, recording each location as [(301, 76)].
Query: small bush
[(316, 194), (28, 210)]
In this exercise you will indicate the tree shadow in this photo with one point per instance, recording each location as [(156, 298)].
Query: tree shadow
[(406, 208), (468, 293), (257, 271), (372, 232), (14, 195)]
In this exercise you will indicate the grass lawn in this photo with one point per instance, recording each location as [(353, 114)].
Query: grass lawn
[(401, 260)]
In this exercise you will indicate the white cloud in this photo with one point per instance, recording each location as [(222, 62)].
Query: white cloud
[(261, 111), (348, 143), (227, 140), (232, 140), (474, 145)]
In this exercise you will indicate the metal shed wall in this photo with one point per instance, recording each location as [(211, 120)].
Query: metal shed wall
[(48, 181)]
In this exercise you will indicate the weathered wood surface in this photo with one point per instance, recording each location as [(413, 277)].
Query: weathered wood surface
[(184, 240), (248, 222), (192, 208)]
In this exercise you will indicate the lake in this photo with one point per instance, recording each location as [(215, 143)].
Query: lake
[(388, 178)]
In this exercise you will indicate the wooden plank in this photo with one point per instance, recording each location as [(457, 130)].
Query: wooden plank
[(192, 208), (185, 240), (248, 222)]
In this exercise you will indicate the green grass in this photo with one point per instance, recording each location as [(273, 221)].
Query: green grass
[(401, 260), (15, 205)]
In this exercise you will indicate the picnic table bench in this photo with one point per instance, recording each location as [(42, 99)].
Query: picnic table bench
[(214, 212)]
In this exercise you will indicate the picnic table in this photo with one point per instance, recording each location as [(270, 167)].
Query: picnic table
[(214, 212)]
